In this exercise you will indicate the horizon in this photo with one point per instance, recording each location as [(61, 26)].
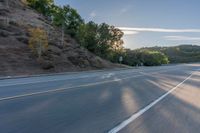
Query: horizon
[(145, 24), (166, 46)]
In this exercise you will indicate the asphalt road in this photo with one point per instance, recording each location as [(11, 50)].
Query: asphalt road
[(162, 99)]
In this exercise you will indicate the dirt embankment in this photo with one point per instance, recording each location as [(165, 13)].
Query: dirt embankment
[(17, 59)]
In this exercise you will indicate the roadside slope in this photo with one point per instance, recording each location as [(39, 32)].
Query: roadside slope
[(15, 56)]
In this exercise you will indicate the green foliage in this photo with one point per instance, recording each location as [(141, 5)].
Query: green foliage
[(103, 40), (154, 58), (87, 36), (145, 57), (42, 6), (180, 54), (67, 17), (131, 57)]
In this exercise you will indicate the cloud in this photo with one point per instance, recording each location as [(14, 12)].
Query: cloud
[(92, 14), (159, 30), (125, 9), (182, 38), (130, 32)]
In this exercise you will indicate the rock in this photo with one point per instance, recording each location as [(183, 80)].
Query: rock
[(54, 50), (13, 23), (4, 34), (18, 34), (79, 61), (45, 64), (23, 39)]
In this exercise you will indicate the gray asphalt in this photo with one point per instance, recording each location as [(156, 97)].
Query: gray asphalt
[(97, 102)]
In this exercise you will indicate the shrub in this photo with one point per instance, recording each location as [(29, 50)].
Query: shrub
[(38, 41)]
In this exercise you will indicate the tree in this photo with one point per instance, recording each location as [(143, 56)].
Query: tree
[(109, 41), (103, 40), (153, 58), (146, 57), (38, 41), (67, 17), (87, 36), (42, 6), (131, 57)]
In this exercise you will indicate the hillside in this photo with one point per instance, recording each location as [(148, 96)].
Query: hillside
[(16, 57), (180, 54)]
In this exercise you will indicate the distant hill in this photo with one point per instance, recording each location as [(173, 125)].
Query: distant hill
[(179, 54)]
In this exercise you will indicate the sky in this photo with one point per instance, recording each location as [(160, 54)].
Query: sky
[(145, 23)]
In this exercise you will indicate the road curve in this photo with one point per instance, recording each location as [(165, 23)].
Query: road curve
[(149, 100)]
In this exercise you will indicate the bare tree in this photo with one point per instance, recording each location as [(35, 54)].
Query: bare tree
[(63, 35)]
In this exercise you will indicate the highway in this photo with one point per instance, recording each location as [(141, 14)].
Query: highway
[(164, 99)]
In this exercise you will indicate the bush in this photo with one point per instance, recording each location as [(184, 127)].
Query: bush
[(42, 6), (146, 57), (38, 41)]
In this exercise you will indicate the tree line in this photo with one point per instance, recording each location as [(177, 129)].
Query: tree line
[(179, 54), (145, 57), (101, 39)]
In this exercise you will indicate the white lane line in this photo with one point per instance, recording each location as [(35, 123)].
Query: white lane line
[(108, 75), (87, 76), (50, 80), (60, 89), (142, 111)]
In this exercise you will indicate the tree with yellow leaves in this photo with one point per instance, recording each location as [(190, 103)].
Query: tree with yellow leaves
[(38, 41)]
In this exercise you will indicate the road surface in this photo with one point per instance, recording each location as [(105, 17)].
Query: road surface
[(162, 99)]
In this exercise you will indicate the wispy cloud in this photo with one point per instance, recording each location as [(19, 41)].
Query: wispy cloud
[(160, 30), (125, 9), (130, 32), (182, 38), (93, 14)]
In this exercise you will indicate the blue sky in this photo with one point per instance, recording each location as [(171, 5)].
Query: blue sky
[(145, 22)]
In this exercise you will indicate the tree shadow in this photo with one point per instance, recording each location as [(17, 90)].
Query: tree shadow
[(98, 108)]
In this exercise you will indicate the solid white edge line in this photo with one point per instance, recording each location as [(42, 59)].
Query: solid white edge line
[(142, 111)]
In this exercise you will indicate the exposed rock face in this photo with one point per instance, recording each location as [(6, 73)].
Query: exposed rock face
[(16, 57)]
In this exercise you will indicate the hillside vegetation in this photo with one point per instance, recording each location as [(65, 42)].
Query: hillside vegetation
[(101, 39), (179, 54), (144, 57), (26, 52)]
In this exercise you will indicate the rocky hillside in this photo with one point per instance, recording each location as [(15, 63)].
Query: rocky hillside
[(15, 56)]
